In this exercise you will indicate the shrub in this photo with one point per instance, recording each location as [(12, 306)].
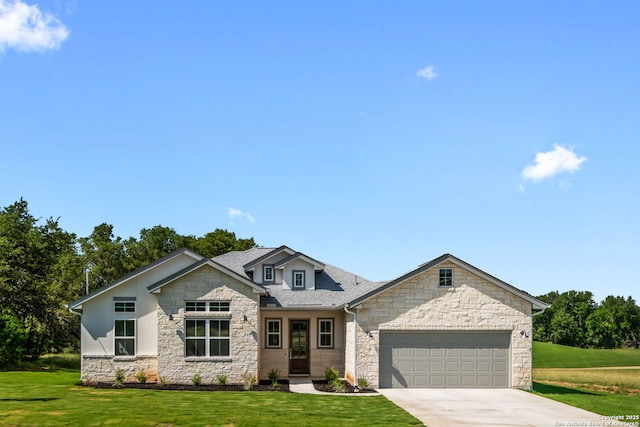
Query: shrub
[(249, 381), (162, 380), (362, 383), (331, 374), (13, 339), (274, 376), (119, 378), (141, 376), (338, 386), (196, 379), (222, 379)]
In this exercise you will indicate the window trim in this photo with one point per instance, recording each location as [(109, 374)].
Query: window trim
[(444, 278), (330, 333), (207, 338), (303, 273), (124, 337), (267, 334), (264, 273)]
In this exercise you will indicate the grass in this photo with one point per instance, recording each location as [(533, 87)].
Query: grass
[(546, 355), (52, 397), (574, 376)]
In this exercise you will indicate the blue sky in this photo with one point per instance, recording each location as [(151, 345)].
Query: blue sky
[(374, 136)]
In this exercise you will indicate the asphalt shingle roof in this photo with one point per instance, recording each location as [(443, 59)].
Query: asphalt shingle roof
[(334, 287)]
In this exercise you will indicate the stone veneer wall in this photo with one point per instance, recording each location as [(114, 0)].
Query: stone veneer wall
[(419, 304), (102, 368), (207, 284)]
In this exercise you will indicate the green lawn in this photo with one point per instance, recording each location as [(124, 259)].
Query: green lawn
[(575, 382), (547, 355), (47, 398)]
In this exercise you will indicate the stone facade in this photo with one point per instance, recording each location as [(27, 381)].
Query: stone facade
[(207, 284), (102, 368), (419, 304)]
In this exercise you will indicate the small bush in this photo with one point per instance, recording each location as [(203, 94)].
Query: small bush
[(196, 379), (362, 383), (249, 381), (119, 378), (274, 376), (141, 376), (331, 374), (162, 380), (222, 379), (338, 386)]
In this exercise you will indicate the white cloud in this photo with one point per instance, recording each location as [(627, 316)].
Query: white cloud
[(550, 163), (25, 28), (427, 73), (233, 213)]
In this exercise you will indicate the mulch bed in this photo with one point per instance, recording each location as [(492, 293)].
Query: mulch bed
[(323, 385), (264, 385)]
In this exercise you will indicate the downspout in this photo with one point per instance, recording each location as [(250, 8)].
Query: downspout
[(355, 347)]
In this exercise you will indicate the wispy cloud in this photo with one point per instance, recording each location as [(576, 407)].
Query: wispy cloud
[(427, 72), (234, 213), (25, 28), (550, 163)]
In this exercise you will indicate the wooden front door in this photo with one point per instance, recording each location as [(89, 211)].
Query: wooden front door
[(299, 347)]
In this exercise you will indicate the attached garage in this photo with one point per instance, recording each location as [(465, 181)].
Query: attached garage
[(445, 359)]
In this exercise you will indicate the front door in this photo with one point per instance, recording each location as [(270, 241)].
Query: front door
[(299, 351)]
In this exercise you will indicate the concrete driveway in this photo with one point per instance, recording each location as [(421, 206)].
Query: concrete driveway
[(486, 407)]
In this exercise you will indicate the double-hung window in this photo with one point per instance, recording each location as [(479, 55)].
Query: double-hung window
[(446, 278), (125, 337), (208, 337), (325, 333), (274, 333), (298, 279)]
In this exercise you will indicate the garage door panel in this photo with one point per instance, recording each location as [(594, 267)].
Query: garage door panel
[(444, 359)]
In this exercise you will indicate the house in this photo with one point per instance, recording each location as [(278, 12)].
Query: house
[(444, 324)]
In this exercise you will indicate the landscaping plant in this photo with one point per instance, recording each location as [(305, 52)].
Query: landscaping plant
[(196, 379), (222, 379), (274, 376)]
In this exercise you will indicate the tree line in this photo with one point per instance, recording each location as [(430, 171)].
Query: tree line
[(43, 267), (576, 320)]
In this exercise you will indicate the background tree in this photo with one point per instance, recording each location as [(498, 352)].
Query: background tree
[(37, 265), (104, 255), (565, 322), (615, 323)]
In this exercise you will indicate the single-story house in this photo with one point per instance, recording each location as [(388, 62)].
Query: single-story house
[(444, 324)]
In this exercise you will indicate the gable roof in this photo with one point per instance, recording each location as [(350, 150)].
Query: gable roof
[(197, 265), (536, 303), (77, 304), (317, 265), (271, 253)]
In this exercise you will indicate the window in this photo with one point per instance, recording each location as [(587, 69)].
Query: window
[(219, 306), (298, 279), (207, 338), (268, 273), (446, 277), (274, 333), (207, 306), (124, 306), (125, 337), (325, 333)]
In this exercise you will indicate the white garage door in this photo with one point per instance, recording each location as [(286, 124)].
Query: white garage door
[(444, 359)]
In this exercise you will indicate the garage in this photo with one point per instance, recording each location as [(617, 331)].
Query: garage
[(444, 359)]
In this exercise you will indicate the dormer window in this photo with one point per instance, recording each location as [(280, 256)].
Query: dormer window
[(267, 275), (298, 279)]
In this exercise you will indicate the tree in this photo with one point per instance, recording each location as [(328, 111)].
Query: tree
[(615, 323), (13, 339), (104, 255), (37, 264), (154, 243), (219, 242), (565, 322)]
